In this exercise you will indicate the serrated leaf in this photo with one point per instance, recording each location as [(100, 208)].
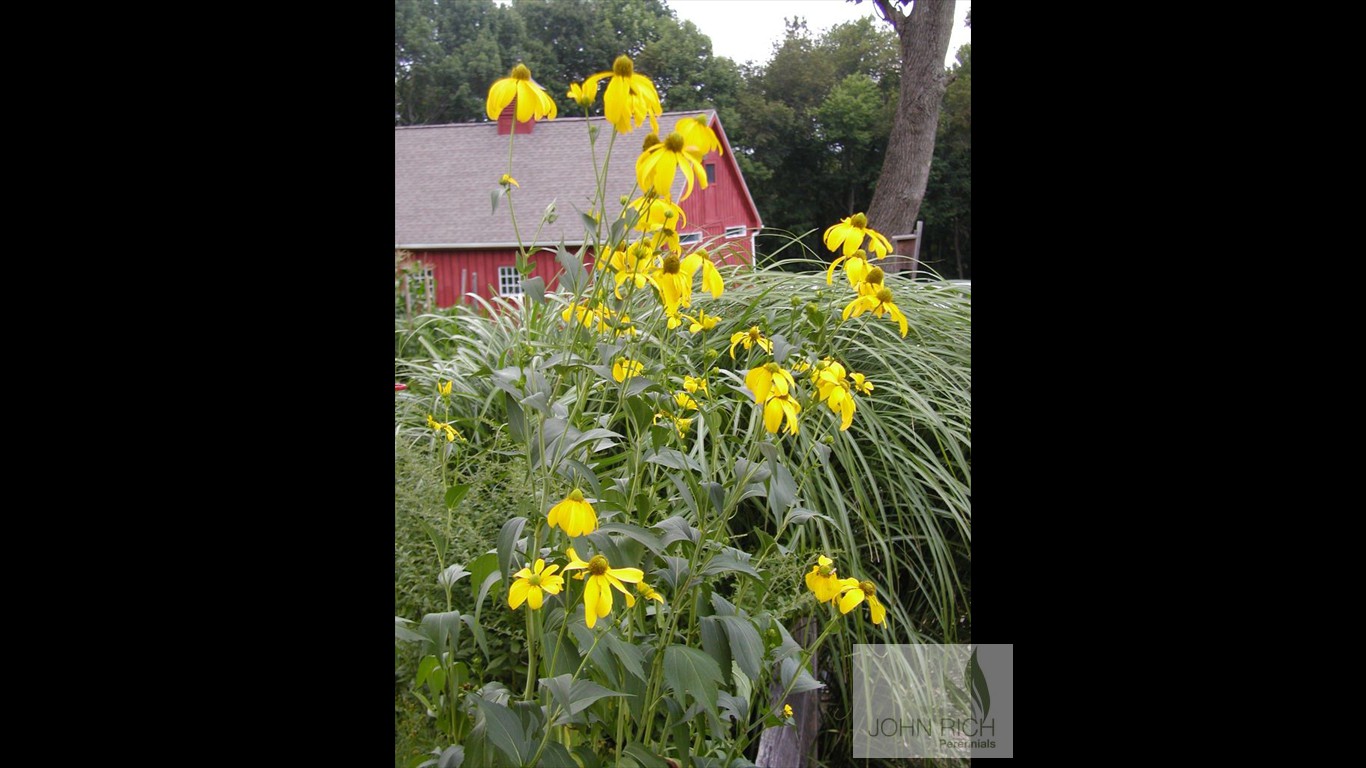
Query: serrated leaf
[(690, 672), (507, 541), (732, 707), (504, 731)]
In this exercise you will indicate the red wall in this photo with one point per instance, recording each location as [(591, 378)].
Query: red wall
[(722, 204)]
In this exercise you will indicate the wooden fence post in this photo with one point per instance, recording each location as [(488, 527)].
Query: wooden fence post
[(789, 746)]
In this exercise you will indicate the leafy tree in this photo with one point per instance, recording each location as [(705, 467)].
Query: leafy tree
[(812, 124)]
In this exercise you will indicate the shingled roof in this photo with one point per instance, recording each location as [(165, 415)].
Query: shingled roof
[(443, 175)]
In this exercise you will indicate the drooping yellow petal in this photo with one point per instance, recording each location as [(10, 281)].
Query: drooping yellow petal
[(517, 593), (773, 415), (534, 596), (604, 602), (760, 381), (876, 609), (851, 598), (590, 602), (501, 94)]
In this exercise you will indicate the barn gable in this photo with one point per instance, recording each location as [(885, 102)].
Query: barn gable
[(444, 174)]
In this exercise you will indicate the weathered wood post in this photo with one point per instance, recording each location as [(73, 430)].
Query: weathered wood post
[(789, 746)]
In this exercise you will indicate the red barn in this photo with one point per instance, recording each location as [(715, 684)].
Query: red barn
[(444, 174)]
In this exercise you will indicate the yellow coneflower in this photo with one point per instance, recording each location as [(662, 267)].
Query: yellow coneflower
[(532, 100)]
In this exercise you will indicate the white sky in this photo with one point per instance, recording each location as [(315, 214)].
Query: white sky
[(745, 30)]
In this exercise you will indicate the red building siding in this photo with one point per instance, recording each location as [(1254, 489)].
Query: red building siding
[(722, 204), (469, 270)]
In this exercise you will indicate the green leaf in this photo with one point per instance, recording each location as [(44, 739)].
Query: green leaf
[(403, 633), (635, 532), (507, 541), (439, 629), (454, 494), (733, 708), (480, 569), (451, 757), (673, 459), (805, 682), (534, 288), (689, 671), (638, 384), (424, 669), (439, 541), (576, 695), (575, 276), (504, 730), (729, 561), (714, 641), (451, 575), (556, 756), (746, 647), (676, 529), (643, 757), (743, 469), (473, 623), (801, 514), (675, 571), (516, 421), (493, 198), (559, 650), (628, 654), (586, 757)]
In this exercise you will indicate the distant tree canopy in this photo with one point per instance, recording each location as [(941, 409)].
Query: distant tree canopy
[(809, 128)]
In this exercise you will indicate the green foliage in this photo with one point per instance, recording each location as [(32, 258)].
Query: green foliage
[(810, 125), (947, 210)]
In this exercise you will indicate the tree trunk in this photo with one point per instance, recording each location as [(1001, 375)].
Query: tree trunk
[(924, 35)]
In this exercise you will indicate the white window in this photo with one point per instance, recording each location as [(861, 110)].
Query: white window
[(691, 238), (509, 282), (732, 232)]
